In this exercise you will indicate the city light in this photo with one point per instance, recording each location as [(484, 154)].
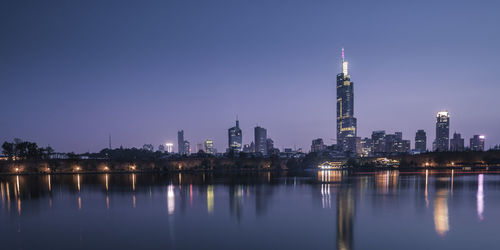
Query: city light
[(169, 146)]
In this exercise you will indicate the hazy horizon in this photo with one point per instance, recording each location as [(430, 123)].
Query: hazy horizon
[(73, 72)]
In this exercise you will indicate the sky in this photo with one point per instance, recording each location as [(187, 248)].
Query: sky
[(72, 72)]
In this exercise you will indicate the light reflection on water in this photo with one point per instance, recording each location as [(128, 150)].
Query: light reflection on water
[(321, 209)]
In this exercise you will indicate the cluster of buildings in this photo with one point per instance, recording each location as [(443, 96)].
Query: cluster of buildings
[(261, 146), (348, 142), (382, 143)]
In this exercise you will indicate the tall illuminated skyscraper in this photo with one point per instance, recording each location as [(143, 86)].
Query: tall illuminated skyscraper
[(235, 138), (346, 123), (442, 141)]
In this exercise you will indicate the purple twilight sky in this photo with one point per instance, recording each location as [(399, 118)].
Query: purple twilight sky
[(73, 71)]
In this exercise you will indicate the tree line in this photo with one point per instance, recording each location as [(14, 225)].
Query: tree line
[(25, 150)]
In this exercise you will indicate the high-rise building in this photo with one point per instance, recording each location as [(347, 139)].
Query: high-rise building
[(442, 131), (180, 141), (269, 145), (477, 143), (421, 141), (353, 146), (260, 140), (317, 145), (235, 137), (457, 142), (346, 123), (406, 146), (378, 142), (187, 148), (209, 147), (366, 147)]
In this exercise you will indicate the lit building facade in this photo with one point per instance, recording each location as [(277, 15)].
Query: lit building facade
[(209, 147), (457, 143), (442, 131), (346, 123), (378, 142), (260, 140), (366, 147), (420, 141), (317, 145), (477, 143), (235, 137)]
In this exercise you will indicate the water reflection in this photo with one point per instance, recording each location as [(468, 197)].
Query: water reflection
[(441, 212), (345, 219), (210, 199), (480, 196), (252, 200), (170, 199)]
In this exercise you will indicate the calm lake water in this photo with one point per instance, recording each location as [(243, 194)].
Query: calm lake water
[(313, 210)]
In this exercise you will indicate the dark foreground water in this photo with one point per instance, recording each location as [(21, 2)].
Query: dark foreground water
[(314, 210)]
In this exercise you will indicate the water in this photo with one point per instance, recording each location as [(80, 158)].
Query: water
[(315, 210)]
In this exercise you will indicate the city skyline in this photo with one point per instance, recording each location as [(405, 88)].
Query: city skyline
[(147, 78)]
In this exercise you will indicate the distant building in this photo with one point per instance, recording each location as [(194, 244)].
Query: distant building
[(148, 147), (457, 143), (246, 148), (235, 138), (170, 147), (346, 123), (442, 131), (180, 141), (353, 145), (161, 148), (477, 143), (406, 146), (209, 147), (391, 143), (421, 141), (317, 145), (260, 140), (366, 147), (200, 147), (378, 142), (269, 145), (187, 148)]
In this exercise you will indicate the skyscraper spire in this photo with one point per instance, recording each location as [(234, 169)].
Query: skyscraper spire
[(344, 64), (342, 55)]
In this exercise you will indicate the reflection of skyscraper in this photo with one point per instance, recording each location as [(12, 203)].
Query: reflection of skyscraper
[(236, 201), (260, 140), (235, 137), (346, 123), (442, 131), (345, 219), (441, 212)]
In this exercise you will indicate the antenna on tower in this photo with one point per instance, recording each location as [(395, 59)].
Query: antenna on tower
[(342, 54), (109, 141)]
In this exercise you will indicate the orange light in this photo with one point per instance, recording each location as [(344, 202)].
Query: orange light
[(17, 169), (106, 168)]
